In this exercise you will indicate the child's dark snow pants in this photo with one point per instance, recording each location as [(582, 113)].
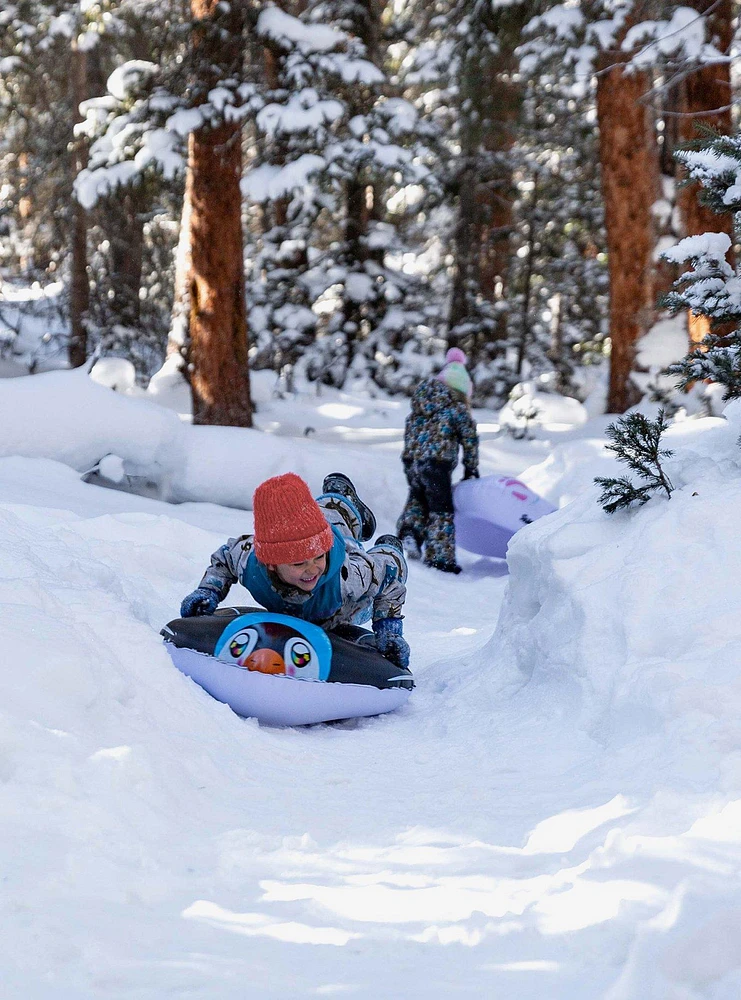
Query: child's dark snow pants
[(439, 424), (428, 513)]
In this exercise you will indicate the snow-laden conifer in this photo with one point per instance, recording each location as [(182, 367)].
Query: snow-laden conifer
[(332, 136), (712, 287)]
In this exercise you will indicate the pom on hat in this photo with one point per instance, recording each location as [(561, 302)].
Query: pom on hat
[(455, 354), (289, 524)]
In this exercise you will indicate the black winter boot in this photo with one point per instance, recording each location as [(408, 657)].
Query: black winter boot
[(393, 540), (338, 482), (445, 567)]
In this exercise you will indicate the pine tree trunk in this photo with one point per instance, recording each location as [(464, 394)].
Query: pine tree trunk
[(25, 207), (365, 18), (124, 227), (79, 285), (491, 101), (356, 224), (466, 243), (496, 200), (629, 162), (219, 373), (706, 99)]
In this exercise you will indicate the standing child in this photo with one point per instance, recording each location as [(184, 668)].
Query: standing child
[(439, 423), (306, 559)]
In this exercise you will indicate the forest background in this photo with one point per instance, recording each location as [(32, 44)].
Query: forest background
[(339, 190)]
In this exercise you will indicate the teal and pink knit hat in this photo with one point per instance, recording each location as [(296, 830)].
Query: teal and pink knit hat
[(454, 374)]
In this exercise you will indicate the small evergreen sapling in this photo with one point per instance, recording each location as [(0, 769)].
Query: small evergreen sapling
[(636, 440)]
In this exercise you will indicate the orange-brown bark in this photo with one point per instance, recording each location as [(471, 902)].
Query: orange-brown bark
[(629, 162), (219, 374), (218, 365)]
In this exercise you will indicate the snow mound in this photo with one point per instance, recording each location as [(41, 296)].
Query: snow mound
[(70, 418), (77, 420), (634, 616), (529, 406)]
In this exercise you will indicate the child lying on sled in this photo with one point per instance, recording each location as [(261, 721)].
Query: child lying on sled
[(306, 559)]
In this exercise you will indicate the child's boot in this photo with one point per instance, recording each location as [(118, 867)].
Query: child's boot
[(411, 527), (411, 547), (338, 483), (440, 547), (393, 540)]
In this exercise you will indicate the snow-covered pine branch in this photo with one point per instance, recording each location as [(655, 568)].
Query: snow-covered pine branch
[(713, 287)]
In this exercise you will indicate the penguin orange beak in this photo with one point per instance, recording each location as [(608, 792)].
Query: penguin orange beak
[(267, 661)]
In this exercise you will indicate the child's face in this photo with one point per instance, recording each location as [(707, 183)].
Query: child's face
[(304, 575)]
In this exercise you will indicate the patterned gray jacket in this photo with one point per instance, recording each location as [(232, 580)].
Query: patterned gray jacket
[(357, 585)]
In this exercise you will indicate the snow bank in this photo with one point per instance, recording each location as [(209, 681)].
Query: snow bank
[(101, 744), (225, 465), (626, 629), (68, 417), (529, 407), (72, 419), (634, 616)]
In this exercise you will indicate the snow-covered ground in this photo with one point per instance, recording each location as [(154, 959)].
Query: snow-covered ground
[(556, 813)]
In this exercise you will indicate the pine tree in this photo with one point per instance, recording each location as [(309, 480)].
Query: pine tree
[(627, 45), (488, 112), (461, 70), (291, 125), (217, 354), (528, 282), (39, 43), (194, 94), (712, 288), (55, 58), (636, 440), (630, 185), (559, 278), (705, 100)]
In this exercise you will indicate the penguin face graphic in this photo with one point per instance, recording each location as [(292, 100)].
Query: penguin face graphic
[(269, 646)]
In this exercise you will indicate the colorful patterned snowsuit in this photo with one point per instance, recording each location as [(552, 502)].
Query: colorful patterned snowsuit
[(439, 423)]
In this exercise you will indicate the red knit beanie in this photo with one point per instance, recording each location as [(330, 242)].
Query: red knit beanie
[(289, 524)]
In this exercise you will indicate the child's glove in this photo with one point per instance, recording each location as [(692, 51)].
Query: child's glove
[(390, 642), (201, 602), (469, 473)]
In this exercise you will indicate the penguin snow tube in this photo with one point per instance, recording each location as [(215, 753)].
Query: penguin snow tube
[(285, 671), (488, 511)]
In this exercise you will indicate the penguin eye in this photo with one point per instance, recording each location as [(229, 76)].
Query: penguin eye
[(300, 653), (243, 643)]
